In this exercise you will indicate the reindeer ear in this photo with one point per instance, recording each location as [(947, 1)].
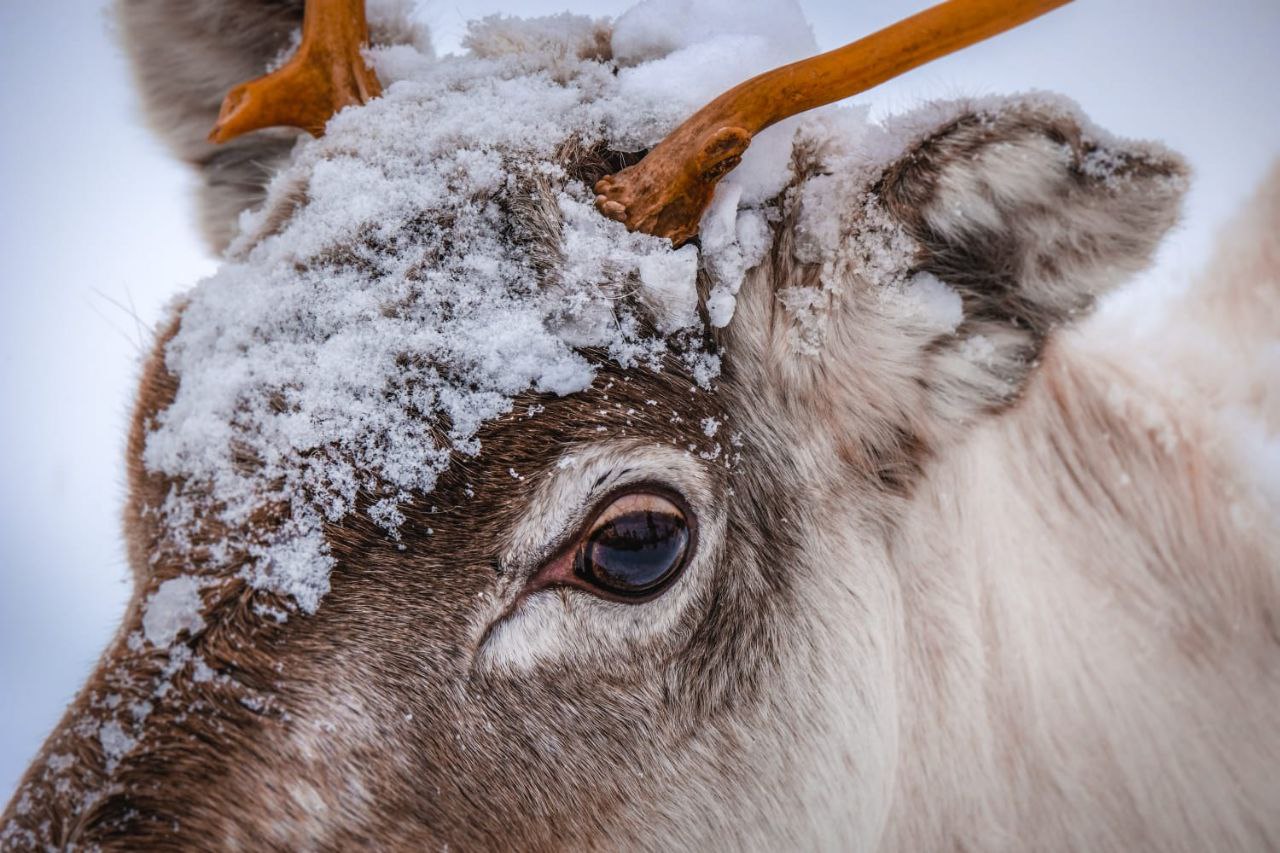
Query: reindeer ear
[(1028, 214), (186, 57), (927, 295)]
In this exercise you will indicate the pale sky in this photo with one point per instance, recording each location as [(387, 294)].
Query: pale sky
[(96, 235)]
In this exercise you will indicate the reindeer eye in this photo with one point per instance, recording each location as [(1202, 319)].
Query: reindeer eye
[(636, 548)]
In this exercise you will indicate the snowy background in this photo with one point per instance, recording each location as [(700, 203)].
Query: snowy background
[(96, 235)]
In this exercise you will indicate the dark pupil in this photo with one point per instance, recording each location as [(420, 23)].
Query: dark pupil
[(635, 552)]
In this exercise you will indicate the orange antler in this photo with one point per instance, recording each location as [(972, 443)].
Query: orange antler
[(666, 193), (325, 75)]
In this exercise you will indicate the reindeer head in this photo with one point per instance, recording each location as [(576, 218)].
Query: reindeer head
[(456, 522)]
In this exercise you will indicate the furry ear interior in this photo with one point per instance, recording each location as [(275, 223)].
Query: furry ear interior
[(1029, 215)]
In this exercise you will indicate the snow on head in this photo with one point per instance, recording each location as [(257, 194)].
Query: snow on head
[(433, 255)]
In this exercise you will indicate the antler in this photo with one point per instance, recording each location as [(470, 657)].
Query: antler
[(325, 75), (666, 193)]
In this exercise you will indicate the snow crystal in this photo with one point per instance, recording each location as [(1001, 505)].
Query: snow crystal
[(171, 609), (201, 672), (978, 349), (937, 305), (539, 43), (735, 240), (116, 743)]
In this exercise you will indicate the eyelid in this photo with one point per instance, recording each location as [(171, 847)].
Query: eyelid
[(639, 488), (638, 501)]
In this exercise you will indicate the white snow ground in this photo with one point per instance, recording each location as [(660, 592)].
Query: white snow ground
[(96, 234)]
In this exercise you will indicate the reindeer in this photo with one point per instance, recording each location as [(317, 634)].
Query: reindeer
[(959, 577)]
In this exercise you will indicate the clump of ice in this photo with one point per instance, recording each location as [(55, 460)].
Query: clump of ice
[(935, 303), (430, 258), (668, 284), (174, 607), (735, 239), (115, 742)]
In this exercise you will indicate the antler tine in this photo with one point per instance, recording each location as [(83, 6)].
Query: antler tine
[(666, 193), (325, 75)]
